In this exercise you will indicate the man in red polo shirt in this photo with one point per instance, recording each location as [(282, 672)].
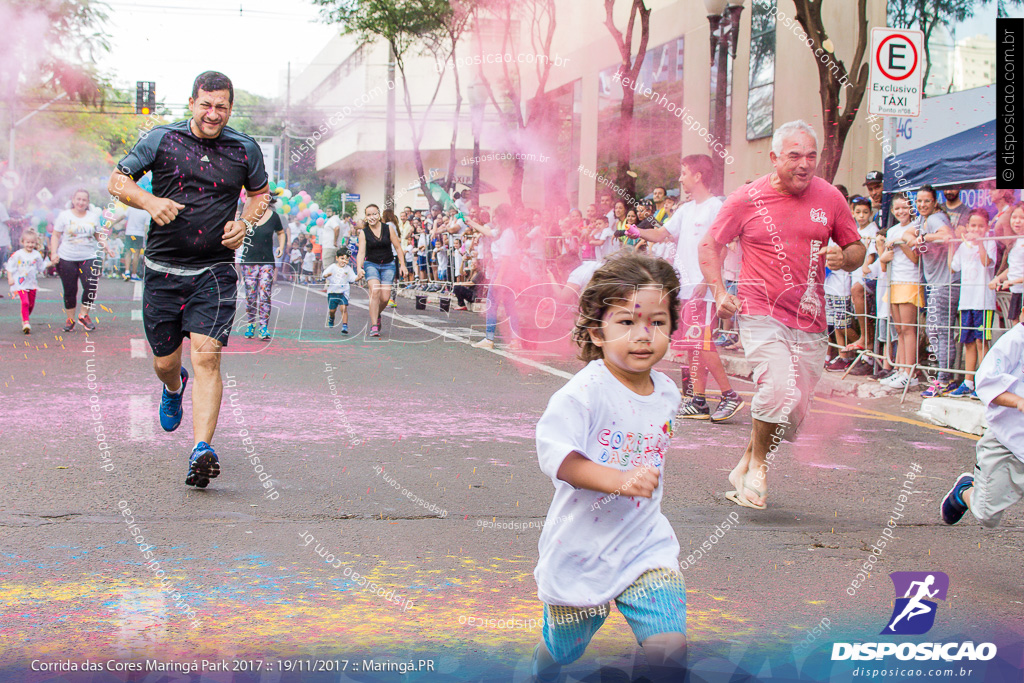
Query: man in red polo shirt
[(791, 225)]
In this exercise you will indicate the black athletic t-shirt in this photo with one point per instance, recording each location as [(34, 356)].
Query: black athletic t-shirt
[(258, 248), (204, 175)]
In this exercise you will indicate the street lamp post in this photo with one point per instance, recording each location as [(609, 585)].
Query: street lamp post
[(724, 22), (477, 99)]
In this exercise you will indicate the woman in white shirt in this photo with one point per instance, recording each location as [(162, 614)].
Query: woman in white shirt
[(76, 252)]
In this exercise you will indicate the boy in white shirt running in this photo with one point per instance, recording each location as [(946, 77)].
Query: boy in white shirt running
[(975, 261), (998, 480), (602, 440), (338, 278)]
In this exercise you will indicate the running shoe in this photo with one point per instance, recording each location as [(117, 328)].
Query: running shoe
[(170, 405), (934, 390), (87, 322), (838, 364), (127, 276), (863, 369), (461, 308), (392, 304), (330, 321), (69, 325), (26, 328), (953, 507), (484, 344), (727, 408), (725, 340), (692, 411), (962, 391), (374, 330), (202, 466), (264, 334), (888, 380), (136, 278), (250, 332), (344, 328), (902, 381)]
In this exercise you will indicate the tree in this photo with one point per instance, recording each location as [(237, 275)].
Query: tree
[(72, 144), (629, 68), (926, 15), (433, 25), (540, 18), (835, 80)]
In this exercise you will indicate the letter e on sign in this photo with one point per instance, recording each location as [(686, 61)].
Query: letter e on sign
[(897, 72)]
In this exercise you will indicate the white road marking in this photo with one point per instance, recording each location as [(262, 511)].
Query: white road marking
[(136, 315), (140, 417), (138, 348), (137, 292), (447, 334)]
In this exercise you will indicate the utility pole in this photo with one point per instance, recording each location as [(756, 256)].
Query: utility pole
[(389, 149), (287, 103)]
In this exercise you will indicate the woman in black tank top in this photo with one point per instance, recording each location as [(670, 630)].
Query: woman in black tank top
[(376, 262)]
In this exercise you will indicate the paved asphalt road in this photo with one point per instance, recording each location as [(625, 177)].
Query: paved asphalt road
[(453, 426)]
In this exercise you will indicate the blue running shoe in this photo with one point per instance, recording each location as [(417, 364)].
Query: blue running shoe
[(953, 505), (170, 405), (250, 332), (202, 466), (962, 391)]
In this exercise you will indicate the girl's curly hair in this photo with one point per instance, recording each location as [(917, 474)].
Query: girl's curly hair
[(615, 281)]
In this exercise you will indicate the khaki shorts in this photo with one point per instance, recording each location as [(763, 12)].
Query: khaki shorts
[(329, 256), (787, 364), (998, 481)]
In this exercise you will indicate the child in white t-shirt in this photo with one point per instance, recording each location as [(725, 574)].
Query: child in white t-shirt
[(602, 441), (839, 316), (997, 481), (308, 264), (338, 278), (22, 269), (975, 261)]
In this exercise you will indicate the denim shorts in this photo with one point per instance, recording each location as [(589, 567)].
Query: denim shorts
[(382, 273)]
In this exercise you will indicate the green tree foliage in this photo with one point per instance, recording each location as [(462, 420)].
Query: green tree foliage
[(926, 15)]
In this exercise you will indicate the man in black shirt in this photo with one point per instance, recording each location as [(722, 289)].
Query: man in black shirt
[(199, 168)]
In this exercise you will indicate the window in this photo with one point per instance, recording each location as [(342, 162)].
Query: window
[(656, 135), (761, 79)]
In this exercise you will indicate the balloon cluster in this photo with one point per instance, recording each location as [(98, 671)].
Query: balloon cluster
[(298, 206)]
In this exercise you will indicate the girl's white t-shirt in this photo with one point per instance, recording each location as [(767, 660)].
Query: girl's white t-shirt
[(78, 235), (901, 269), (975, 294), (1015, 264), (595, 545), (23, 267)]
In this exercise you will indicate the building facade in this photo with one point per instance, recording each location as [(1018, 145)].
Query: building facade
[(773, 79)]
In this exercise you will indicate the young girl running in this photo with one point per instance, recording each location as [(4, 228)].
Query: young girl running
[(602, 440), (22, 269)]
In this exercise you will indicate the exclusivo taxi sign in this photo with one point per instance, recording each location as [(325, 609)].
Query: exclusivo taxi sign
[(897, 72)]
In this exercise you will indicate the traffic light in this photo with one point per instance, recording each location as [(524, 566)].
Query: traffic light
[(145, 97)]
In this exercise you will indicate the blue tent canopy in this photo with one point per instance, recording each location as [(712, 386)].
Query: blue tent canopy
[(962, 159)]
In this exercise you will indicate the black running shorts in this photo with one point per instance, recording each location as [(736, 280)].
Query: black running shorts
[(175, 305)]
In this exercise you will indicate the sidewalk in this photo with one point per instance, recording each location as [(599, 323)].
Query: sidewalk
[(964, 415)]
